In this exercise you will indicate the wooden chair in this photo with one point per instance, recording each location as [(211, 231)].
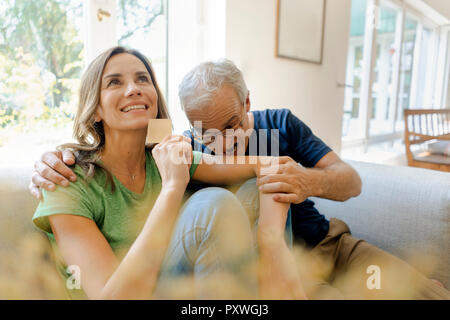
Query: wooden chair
[(421, 127)]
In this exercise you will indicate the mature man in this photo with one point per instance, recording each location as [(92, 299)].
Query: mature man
[(333, 264)]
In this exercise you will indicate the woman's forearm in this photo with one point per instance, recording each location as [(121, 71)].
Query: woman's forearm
[(227, 170), (137, 274)]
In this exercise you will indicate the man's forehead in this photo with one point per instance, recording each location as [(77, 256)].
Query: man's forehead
[(225, 107)]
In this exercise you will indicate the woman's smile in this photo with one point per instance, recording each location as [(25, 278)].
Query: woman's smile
[(134, 108), (127, 93)]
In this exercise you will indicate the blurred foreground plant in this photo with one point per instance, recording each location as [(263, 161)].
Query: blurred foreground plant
[(29, 271)]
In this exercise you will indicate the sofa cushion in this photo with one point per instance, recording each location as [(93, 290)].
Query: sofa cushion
[(403, 210), (431, 157), (439, 147)]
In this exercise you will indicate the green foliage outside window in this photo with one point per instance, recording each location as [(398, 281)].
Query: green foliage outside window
[(41, 59)]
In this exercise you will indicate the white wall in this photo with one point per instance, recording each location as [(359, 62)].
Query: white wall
[(99, 35), (441, 6), (308, 89), (196, 33), (439, 12)]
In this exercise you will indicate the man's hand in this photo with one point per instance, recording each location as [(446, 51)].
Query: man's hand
[(290, 182), (331, 178), (52, 169)]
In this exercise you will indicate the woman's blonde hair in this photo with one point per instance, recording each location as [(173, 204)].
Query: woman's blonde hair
[(89, 133)]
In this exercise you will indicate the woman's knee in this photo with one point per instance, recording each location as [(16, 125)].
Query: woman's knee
[(212, 235), (248, 195), (248, 192), (214, 219)]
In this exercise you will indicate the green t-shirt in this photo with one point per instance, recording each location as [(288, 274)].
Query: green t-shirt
[(119, 215)]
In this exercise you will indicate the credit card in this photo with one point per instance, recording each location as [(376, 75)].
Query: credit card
[(158, 129)]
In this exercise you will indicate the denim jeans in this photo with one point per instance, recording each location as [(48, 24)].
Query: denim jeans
[(213, 252)]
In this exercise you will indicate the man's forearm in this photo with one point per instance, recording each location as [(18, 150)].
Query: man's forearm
[(338, 182)]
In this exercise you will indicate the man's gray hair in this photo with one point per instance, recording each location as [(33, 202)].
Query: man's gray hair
[(199, 86)]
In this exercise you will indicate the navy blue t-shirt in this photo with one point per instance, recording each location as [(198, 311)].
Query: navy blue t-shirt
[(296, 140)]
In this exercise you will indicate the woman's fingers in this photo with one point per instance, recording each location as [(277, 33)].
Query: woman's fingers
[(186, 139), (172, 157), (175, 138), (179, 148)]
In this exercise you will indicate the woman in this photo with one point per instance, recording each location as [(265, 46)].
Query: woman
[(120, 224)]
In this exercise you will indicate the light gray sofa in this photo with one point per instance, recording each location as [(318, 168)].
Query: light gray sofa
[(402, 210)]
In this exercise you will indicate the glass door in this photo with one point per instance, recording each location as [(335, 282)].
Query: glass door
[(406, 70), (142, 25), (352, 127), (383, 88), (396, 60)]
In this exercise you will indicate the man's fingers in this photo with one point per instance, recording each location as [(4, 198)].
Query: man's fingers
[(272, 169), (271, 178), (284, 159), (46, 174), (276, 187), (34, 190), (56, 163), (40, 182), (267, 162), (285, 198), (68, 157)]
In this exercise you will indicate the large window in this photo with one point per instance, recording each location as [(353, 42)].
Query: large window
[(354, 75), (43, 45), (381, 117), (41, 59), (393, 58), (46, 44), (142, 25), (406, 69)]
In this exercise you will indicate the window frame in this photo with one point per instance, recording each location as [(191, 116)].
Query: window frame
[(100, 35), (436, 81)]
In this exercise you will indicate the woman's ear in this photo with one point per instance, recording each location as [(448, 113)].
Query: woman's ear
[(97, 117)]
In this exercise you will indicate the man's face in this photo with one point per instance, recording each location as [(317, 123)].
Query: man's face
[(226, 112)]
